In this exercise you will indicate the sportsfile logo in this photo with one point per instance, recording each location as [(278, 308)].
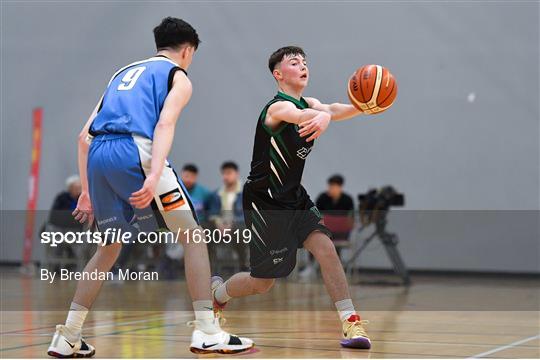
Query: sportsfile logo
[(303, 153), (172, 199)]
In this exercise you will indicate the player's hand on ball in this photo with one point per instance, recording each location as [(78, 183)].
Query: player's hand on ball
[(84, 211), (142, 198), (315, 126)]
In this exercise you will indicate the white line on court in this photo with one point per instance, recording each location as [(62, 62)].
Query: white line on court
[(501, 348)]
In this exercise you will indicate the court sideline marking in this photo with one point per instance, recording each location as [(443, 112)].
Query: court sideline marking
[(504, 347)]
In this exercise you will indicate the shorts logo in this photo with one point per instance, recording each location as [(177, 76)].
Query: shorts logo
[(106, 221), (276, 252), (145, 217), (277, 260), (172, 199), (303, 153)]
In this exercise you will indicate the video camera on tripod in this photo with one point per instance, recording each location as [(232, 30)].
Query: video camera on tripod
[(373, 208), (375, 204)]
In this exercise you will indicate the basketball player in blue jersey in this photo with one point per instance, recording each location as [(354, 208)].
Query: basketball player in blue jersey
[(277, 208), (126, 177)]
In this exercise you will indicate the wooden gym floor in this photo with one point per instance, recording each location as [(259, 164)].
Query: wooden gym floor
[(436, 317)]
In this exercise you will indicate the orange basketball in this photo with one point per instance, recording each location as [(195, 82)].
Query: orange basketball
[(372, 89)]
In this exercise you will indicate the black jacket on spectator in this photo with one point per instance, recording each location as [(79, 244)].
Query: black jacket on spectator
[(343, 206), (61, 210)]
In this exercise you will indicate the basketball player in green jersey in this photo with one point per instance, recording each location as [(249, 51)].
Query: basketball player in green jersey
[(277, 208)]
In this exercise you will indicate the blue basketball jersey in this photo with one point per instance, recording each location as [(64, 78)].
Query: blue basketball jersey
[(134, 98)]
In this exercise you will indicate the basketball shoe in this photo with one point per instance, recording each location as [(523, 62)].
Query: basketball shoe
[(354, 334), (221, 342), (65, 344)]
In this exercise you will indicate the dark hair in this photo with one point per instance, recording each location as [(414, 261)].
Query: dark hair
[(229, 165), (173, 33), (336, 179), (191, 168), (279, 54)]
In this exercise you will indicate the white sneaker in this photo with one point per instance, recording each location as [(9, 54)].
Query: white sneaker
[(66, 345), (222, 342)]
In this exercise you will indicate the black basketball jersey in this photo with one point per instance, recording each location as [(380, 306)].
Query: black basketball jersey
[(278, 158)]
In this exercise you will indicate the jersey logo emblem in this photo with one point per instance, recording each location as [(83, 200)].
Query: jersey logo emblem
[(172, 199), (303, 153), (277, 260)]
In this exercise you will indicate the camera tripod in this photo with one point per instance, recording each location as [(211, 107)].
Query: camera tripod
[(390, 241)]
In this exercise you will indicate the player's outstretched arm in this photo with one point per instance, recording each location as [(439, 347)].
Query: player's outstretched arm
[(310, 121), (176, 100), (337, 111), (83, 211)]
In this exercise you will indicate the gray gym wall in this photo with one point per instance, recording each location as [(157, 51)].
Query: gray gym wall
[(463, 133)]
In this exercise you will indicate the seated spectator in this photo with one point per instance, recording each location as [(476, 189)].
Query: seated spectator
[(227, 212), (334, 205), (60, 220), (200, 196), (335, 202), (64, 204)]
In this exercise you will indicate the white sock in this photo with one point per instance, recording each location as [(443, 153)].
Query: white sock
[(221, 294), (345, 309), (75, 319), (204, 314)]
